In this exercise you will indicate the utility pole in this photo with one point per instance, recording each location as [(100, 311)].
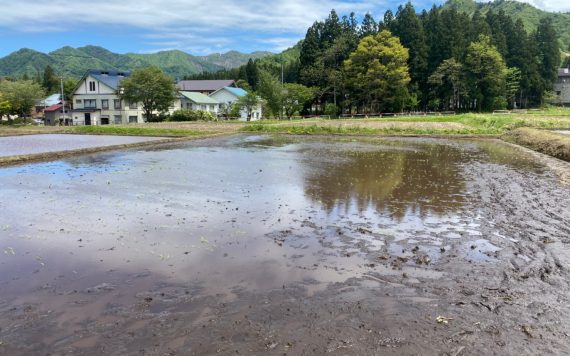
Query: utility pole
[(62, 99), (282, 87)]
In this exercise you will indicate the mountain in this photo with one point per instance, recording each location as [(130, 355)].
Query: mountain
[(233, 59), (74, 62), (528, 14)]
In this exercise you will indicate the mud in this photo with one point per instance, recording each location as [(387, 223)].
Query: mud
[(33, 144), (285, 245)]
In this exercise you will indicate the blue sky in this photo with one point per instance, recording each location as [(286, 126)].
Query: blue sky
[(195, 26)]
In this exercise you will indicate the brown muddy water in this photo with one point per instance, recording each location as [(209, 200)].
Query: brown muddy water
[(31, 144), (285, 245)]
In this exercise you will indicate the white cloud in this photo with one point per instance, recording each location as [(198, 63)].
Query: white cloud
[(550, 5), (195, 26), (286, 16)]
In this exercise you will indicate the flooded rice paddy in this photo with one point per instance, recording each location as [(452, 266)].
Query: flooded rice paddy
[(31, 144), (284, 245)]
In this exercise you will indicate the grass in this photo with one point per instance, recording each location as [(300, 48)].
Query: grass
[(473, 124), (136, 131), (315, 129)]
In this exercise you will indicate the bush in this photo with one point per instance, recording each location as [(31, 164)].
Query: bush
[(331, 110), (159, 118), (192, 115)]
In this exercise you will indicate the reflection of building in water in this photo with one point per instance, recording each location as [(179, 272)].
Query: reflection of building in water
[(422, 181)]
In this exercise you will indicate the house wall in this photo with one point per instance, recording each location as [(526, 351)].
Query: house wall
[(562, 89), (186, 103), (223, 96), (124, 115), (52, 118)]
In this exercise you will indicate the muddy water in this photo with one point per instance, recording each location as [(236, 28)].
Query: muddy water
[(239, 244), (30, 144)]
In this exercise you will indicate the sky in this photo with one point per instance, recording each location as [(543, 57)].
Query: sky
[(198, 27)]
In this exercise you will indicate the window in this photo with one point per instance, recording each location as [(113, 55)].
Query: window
[(90, 103), (117, 104), (91, 86), (78, 101), (133, 119), (132, 105), (212, 108), (118, 119), (105, 104), (188, 105)]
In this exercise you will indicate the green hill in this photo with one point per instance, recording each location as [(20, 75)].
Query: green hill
[(75, 61), (528, 14)]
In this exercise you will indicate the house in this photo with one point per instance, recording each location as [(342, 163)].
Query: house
[(198, 101), (206, 87), (42, 104), (95, 100), (562, 87), (54, 115), (227, 96)]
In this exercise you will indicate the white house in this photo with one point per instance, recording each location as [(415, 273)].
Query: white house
[(229, 95), (198, 101), (95, 100)]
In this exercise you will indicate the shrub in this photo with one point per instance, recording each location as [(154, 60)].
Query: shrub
[(331, 110), (192, 115)]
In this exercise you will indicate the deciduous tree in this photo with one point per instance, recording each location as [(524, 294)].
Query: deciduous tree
[(151, 87), (22, 95), (378, 72), (295, 97)]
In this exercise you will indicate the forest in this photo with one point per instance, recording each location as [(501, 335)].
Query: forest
[(436, 60)]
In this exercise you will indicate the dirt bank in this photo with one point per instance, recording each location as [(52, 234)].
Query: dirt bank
[(548, 142)]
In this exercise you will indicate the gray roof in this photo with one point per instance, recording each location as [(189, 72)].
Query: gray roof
[(110, 78), (563, 72), (204, 85)]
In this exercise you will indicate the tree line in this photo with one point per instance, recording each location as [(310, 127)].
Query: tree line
[(439, 59)]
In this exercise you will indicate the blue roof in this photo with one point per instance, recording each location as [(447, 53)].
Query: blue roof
[(236, 91), (52, 100), (110, 78)]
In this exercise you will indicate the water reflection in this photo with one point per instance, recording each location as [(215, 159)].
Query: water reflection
[(425, 179)]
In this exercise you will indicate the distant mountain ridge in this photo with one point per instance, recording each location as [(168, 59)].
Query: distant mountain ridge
[(529, 15), (74, 62)]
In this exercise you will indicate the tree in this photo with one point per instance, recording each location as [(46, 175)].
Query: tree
[(50, 81), (368, 27), (151, 87), (270, 89), (548, 53), (22, 95), (295, 97), (5, 107), (486, 71), (408, 28), (252, 74), (378, 72), (249, 103), (448, 81), (227, 109), (513, 84)]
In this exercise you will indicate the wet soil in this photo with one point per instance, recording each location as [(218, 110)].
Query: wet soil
[(286, 245), (33, 144)]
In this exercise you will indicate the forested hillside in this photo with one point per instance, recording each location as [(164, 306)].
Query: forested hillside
[(74, 62), (528, 14)]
